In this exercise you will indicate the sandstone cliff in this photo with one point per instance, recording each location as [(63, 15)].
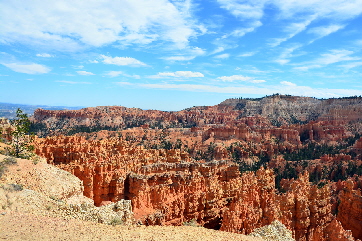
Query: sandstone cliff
[(278, 109)]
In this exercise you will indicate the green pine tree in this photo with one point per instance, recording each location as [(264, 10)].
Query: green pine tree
[(21, 138)]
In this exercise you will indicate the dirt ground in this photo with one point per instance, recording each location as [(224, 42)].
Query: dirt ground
[(20, 226)]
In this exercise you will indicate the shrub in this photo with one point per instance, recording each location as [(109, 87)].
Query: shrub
[(192, 223), (116, 221), (9, 160)]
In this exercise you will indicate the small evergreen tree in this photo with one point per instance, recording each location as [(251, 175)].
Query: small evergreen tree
[(21, 138)]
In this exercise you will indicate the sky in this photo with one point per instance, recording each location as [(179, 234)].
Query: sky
[(171, 55)]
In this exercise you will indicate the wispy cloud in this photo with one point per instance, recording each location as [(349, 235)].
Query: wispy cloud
[(125, 61), (323, 31), (121, 73), (72, 82), (184, 74), (218, 50), (114, 73), (286, 54), (287, 83), (292, 30), (333, 9), (222, 56), (186, 54), (251, 69), (84, 73), (351, 65), (28, 68), (77, 66), (301, 13), (44, 55), (240, 32), (334, 56), (234, 78), (247, 54), (252, 10)]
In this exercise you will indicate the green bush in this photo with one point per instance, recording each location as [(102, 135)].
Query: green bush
[(116, 221)]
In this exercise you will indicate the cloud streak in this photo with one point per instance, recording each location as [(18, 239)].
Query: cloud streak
[(178, 74), (122, 61), (84, 73), (28, 68), (235, 78), (72, 82)]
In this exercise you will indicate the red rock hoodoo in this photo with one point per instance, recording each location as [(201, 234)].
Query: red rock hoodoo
[(236, 166)]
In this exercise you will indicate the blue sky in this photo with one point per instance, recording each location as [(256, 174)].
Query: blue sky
[(171, 55)]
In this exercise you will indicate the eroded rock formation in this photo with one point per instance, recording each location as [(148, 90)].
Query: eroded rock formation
[(167, 187), (178, 166)]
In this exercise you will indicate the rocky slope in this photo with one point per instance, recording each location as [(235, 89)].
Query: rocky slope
[(39, 188), (41, 202)]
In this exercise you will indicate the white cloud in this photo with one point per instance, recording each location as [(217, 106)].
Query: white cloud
[(84, 73), (292, 30), (351, 65), (247, 54), (222, 56), (186, 54), (28, 68), (114, 73), (251, 13), (287, 83), (252, 69), (93, 61), (252, 10), (185, 74), (333, 9), (286, 54), (234, 78), (217, 50), (77, 66), (179, 58), (323, 31), (70, 25), (118, 73), (72, 82), (240, 32), (44, 55), (122, 61), (335, 56), (306, 68)]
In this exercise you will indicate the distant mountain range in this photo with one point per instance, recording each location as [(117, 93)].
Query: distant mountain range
[(8, 110)]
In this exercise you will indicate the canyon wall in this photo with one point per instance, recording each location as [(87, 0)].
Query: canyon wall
[(178, 166), (167, 187), (278, 110)]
